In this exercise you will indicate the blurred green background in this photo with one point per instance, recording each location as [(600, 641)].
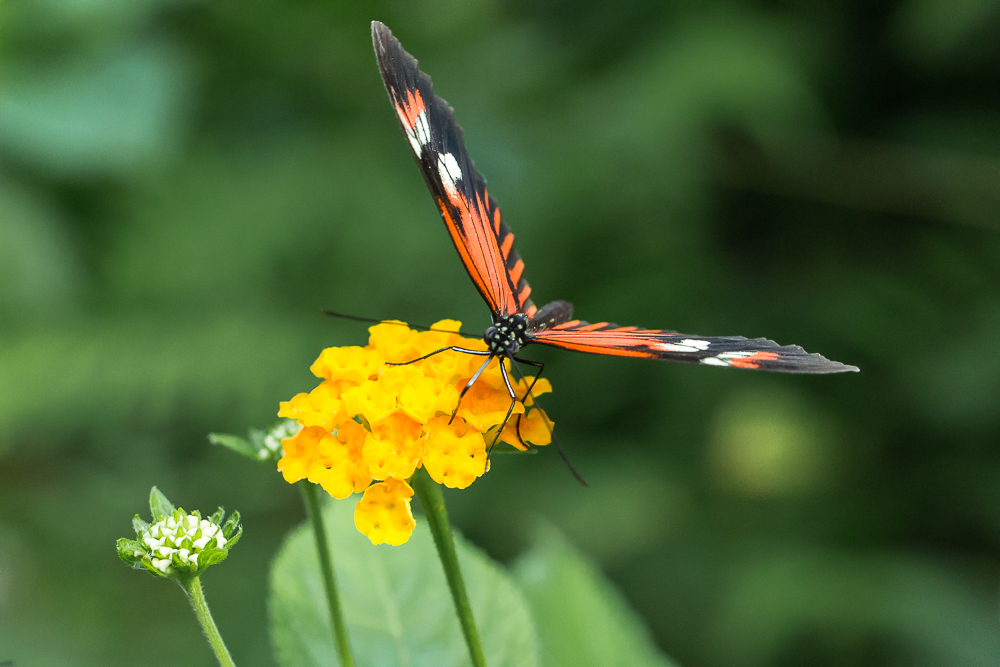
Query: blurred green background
[(185, 183)]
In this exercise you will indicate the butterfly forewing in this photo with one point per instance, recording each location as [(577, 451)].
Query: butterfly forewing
[(724, 351), (486, 245), (472, 217)]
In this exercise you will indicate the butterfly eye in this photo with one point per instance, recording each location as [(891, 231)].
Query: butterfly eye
[(490, 334), (512, 347)]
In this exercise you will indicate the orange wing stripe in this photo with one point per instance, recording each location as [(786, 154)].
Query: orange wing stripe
[(602, 348), (475, 267), (748, 362), (523, 296), (411, 108), (515, 273), (592, 327), (508, 243)]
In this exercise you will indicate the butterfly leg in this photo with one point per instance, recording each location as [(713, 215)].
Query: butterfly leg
[(555, 440), (479, 353), (472, 381), (541, 368), (513, 402)]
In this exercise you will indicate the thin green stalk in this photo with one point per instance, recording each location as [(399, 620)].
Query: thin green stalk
[(432, 500), (196, 596), (315, 513)]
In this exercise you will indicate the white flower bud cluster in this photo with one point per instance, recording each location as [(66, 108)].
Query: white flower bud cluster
[(272, 441), (178, 541)]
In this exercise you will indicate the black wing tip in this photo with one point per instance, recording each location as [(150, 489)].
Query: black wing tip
[(806, 363), (811, 364), (382, 38), (828, 367)]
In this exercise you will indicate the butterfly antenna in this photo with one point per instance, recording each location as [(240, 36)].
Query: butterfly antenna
[(545, 421), (372, 320)]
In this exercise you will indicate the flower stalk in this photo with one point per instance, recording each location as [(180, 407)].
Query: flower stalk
[(180, 546), (314, 511), (432, 501), (196, 596)]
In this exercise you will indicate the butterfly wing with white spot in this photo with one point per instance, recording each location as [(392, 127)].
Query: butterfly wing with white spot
[(725, 351), (472, 217)]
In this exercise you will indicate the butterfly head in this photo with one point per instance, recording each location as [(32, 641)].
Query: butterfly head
[(507, 335)]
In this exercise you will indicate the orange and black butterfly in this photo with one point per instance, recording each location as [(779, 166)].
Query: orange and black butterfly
[(486, 246)]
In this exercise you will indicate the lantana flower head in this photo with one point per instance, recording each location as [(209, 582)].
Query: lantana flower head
[(369, 424)]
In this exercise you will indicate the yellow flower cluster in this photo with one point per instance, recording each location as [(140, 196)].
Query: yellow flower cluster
[(369, 421)]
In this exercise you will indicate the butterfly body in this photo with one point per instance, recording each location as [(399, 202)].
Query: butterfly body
[(508, 335)]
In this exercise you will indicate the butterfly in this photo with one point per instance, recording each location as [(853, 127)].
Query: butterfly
[(486, 247)]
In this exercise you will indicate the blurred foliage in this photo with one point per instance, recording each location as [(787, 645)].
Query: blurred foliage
[(396, 602), (184, 184), (554, 609)]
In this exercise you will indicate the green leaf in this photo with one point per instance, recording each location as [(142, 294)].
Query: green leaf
[(395, 599), (139, 525), (232, 523), (582, 620), (159, 506), (219, 515), (211, 557), (231, 541), (148, 565), (127, 550), (235, 443)]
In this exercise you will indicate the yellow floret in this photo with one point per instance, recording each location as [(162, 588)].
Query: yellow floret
[(353, 363), (394, 447), (320, 407), (371, 399), (543, 386), (396, 342), (341, 469), (532, 429), (454, 455), (423, 398), (383, 513), (300, 452), (484, 407)]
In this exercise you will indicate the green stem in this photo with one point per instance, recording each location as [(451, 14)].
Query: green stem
[(196, 596), (315, 513), (432, 501)]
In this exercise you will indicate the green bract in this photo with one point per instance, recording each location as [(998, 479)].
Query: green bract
[(261, 445), (179, 544)]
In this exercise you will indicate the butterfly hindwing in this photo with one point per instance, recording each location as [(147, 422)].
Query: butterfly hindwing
[(724, 351), (483, 241)]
